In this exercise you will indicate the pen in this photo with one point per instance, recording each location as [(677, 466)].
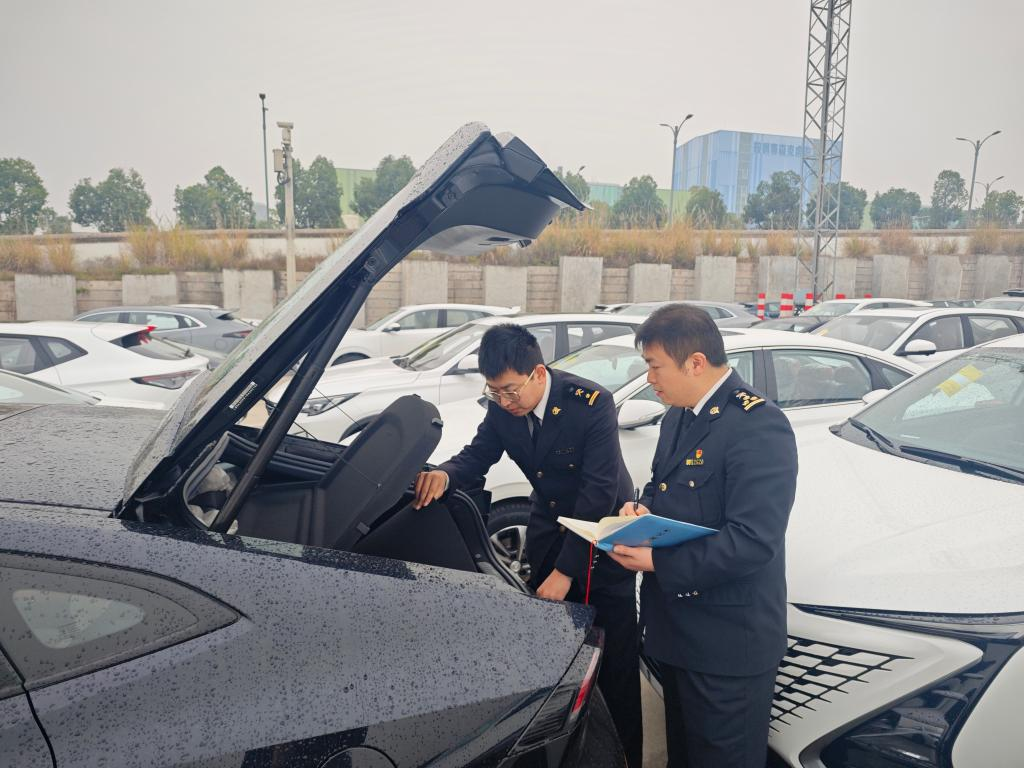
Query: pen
[(636, 499)]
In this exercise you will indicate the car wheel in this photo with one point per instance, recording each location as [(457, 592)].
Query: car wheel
[(348, 358), (506, 525)]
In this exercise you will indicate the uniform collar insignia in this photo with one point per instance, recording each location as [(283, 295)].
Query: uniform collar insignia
[(555, 411)]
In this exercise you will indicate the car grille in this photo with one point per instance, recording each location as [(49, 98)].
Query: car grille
[(813, 674)]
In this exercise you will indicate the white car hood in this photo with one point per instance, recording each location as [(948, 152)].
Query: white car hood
[(357, 376), (875, 531), (461, 419)]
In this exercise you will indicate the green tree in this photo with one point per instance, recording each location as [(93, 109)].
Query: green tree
[(776, 202), (317, 195), (1002, 208), (575, 182), (706, 208), (392, 174), (219, 202), (949, 196), (118, 202), (639, 207), (52, 224), (321, 204), (852, 202), (22, 196), (895, 208)]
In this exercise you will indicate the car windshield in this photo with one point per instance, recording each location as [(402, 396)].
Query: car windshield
[(829, 309), (1002, 304), (440, 349), (968, 409), (609, 365), (15, 389), (640, 310), (875, 331), (386, 320)]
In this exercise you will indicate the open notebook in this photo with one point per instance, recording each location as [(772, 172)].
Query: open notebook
[(642, 531)]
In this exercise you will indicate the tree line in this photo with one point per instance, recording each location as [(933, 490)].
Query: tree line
[(120, 201)]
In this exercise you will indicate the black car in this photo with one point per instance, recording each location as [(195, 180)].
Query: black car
[(185, 590)]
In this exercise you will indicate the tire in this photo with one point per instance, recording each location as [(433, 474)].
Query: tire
[(348, 358), (506, 526)]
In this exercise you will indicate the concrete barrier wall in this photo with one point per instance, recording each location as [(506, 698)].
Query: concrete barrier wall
[(577, 284), (44, 297)]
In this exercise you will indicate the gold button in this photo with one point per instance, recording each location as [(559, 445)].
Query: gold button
[(663, 487), (561, 529), (551, 504), (696, 593), (692, 484), (540, 475)]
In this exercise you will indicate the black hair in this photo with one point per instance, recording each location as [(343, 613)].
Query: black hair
[(681, 330), (508, 347)]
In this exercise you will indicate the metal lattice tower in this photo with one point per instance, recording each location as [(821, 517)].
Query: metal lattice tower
[(828, 52)]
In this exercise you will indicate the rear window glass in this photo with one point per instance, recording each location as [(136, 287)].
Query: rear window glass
[(141, 343)]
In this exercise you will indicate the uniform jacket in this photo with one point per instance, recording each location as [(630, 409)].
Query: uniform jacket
[(576, 470), (717, 605)]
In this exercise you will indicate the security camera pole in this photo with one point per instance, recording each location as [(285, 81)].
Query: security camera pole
[(283, 166)]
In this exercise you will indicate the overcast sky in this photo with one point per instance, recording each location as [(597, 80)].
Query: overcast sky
[(170, 88)]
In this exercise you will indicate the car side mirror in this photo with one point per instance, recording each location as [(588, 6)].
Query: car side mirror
[(391, 328), (468, 364), (639, 413), (918, 347), (874, 396)]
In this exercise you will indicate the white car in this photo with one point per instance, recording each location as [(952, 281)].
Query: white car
[(118, 363), (838, 307), (905, 565), (814, 380), (347, 397), (924, 336), (406, 328)]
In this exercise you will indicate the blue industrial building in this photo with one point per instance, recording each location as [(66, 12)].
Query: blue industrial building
[(735, 162)]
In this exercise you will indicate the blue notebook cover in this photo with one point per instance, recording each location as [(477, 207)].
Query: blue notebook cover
[(653, 531)]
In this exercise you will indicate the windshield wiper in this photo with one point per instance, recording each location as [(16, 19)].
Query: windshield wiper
[(965, 463), (883, 443)]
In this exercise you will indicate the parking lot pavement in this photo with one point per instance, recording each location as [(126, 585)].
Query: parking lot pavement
[(655, 755)]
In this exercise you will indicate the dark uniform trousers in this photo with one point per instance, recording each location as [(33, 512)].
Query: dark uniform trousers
[(575, 467), (713, 611)]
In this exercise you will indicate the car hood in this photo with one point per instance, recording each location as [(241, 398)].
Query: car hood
[(477, 191), (875, 531), (357, 376), (78, 453), (461, 419)]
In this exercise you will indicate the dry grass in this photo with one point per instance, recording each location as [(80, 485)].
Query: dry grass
[(857, 247), (940, 246), (898, 242), (60, 253), (779, 242), (715, 243), (1012, 244), (144, 245), (20, 254), (984, 240)]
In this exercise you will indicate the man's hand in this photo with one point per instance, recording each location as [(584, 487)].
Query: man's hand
[(555, 587), (633, 558), (628, 510), (429, 487)]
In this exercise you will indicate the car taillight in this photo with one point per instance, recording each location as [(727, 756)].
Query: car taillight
[(237, 334), (166, 380), (561, 711)]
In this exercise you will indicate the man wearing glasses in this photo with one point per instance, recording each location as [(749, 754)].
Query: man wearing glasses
[(562, 432)]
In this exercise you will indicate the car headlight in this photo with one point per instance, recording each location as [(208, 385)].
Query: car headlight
[(317, 405), (919, 731)]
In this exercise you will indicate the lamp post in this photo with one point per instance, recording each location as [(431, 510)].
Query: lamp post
[(986, 186), (287, 170), (974, 171), (672, 181), (266, 176)]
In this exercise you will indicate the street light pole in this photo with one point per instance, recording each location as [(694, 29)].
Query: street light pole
[(266, 175), (974, 171), (987, 186), (672, 181)]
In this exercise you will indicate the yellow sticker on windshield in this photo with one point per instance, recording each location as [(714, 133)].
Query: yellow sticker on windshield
[(959, 380)]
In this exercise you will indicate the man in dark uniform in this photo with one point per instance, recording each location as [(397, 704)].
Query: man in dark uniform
[(714, 609), (562, 431)]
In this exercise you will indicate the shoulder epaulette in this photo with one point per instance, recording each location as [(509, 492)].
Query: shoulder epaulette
[(745, 400), (583, 393)]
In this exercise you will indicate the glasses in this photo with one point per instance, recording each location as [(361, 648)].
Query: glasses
[(512, 397)]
